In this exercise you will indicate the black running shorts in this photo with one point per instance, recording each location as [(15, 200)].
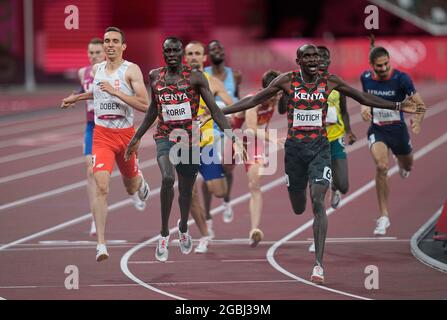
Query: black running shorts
[(307, 162)]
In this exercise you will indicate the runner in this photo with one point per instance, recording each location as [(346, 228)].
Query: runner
[(118, 89), (388, 130), (176, 91), (213, 172), (96, 54), (232, 80), (307, 149)]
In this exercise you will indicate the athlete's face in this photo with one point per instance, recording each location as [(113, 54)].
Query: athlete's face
[(95, 53), (195, 55), (216, 52), (382, 67), (172, 52), (325, 60), (113, 45), (309, 60)]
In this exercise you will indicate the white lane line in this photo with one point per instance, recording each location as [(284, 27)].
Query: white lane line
[(72, 222), (271, 252), (44, 125), (167, 284), (126, 257), (66, 188), (54, 166), (40, 151)]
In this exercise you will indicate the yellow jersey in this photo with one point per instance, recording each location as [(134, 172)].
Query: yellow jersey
[(334, 122), (207, 131)]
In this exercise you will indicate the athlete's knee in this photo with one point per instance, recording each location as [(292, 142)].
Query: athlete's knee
[(102, 188), (167, 181), (318, 201), (343, 187), (254, 185), (298, 202), (382, 168)]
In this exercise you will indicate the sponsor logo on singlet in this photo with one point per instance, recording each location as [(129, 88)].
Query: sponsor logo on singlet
[(169, 97), (308, 96)]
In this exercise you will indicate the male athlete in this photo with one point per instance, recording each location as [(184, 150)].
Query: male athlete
[(232, 80), (388, 130), (118, 89), (176, 91), (210, 168), (307, 149)]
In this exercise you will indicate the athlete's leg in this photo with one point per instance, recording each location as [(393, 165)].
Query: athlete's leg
[(91, 184), (340, 175), (298, 200), (185, 186), (102, 179), (166, 191), (198, 212), (318, 193), (254, 185), (405, 161), (379, 152), (228, 170), (217, 187), (207, 197)]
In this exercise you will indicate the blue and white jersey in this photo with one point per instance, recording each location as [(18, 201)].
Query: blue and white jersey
[(395, 88)]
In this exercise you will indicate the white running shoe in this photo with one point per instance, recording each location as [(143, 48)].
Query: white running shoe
[(312, 247), (404, 173), (209, 224), (382, 224), (101, 252), (228, 212), (317, 275), (162, 250), (335, 199), (202, 247), (185, 240), (256, 235), (139, 198), (93, 229)]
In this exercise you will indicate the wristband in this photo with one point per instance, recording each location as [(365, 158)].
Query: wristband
[(398, 106)]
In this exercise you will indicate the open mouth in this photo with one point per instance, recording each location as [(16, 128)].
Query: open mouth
[(111, 51), (313, 67)]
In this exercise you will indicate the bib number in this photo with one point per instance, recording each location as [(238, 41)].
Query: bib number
[(176, 112), (307, 118), (331, 117), (382, 115)]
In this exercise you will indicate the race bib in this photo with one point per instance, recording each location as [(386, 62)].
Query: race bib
[(109, 107), (331, 117), (176, 112), (383, 115), (307, 118)]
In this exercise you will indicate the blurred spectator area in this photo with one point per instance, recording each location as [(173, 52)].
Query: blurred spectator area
[(242, 25)]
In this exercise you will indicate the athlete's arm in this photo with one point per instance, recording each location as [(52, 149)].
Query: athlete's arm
[(139, 101), (345, 116), (149, 119), (73, 98), (282, 82), (238, 80), (408, 105), (218, 89), (199, 81), (282, 104), (417, 119)]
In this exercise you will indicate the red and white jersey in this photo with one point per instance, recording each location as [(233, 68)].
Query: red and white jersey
[(110, 111), (87, 82)]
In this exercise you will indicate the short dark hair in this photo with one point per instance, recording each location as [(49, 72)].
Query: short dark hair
[(96, 41), (214, 41), (174, 39), (324, 48), (300, 50), (268, 77), (115, 29), (376, 53)]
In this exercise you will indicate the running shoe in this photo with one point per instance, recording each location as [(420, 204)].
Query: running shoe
[(185, 240), (382, 224), (317, 275), (335, 199), (101, 252), (228, 212), (256, 235), (312, 247), (139, 198), (162, 251), (202, 247)]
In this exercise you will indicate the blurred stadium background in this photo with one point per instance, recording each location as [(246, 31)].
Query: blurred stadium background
[(39, 57)]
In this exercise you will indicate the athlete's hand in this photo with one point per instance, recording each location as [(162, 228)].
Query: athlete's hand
[(351, 137), (132, 147), (415, 125), (281, 143), (411, 105), (366, 113), (107, 87), (69, 101)]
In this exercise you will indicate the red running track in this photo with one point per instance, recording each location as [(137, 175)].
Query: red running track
[(44, 223)]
